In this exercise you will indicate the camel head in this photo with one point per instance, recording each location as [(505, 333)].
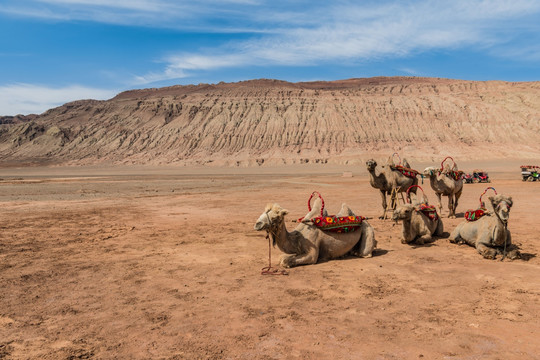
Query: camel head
[(431, 170), (502, 205), (272, 216), (371, 165), (403, 212)]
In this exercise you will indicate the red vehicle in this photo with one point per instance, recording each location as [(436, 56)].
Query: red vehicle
[(468, 178), (480, 176)]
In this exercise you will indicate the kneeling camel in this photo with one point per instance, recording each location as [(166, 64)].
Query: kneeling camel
[(308, 244)]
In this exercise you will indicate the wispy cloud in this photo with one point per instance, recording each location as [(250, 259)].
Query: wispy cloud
[(35, 99), (296, 33), (353, 33)]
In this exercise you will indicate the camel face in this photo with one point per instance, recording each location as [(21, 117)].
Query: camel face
[(404, 212), (371, 165), (272, 214), (502, 206), (261, 223), (429, 171)]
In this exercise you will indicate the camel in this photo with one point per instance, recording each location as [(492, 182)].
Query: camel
[(489, 234), (388, 180), (445, 185), (308, 244), (417, 226)]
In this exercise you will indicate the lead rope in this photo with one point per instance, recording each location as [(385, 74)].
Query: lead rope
[(269, 270)]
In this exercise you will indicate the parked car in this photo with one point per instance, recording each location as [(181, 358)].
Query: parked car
[(480, 176), (530, 173), (468, 178)]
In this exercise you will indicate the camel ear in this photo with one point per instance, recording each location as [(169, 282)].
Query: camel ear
[(283, 212)]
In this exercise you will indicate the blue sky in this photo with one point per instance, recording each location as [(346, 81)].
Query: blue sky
[(55, 51)]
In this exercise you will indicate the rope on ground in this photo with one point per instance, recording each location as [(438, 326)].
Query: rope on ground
[(269, 270)]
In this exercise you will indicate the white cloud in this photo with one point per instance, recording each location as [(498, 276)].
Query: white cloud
[(35, 99), (352, 33)]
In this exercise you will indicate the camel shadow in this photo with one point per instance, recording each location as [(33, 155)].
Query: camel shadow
[(444, 235), (379, 252), (527, 256), (433, 242), (419, 246), (374, 253)]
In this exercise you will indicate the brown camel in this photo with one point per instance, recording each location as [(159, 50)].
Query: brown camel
[(387, 180)]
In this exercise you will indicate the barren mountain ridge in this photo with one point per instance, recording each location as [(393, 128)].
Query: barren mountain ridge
[(262, 122)]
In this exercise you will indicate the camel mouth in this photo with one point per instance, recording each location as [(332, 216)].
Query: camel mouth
[(259, 226), (397, 216)]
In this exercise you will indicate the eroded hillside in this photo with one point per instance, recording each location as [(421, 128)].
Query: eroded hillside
[(275, 122)]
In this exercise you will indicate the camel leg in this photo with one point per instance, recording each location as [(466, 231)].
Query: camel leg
[(439, 231), (512, 251), (486, 251), (424, 239), (310, 257), (383, 196), (367, 243), (456, 199), (455, 236), (439, 195), (451, 214)]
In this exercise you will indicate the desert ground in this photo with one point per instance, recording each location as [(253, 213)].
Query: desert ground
[(164, 263)]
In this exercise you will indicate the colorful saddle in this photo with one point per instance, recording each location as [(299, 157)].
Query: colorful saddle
[(429, 211), (411, 173), (473, 215), (333, 223), (455, 174), (339, 224)]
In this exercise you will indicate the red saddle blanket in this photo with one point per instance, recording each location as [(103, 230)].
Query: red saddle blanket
[(456, 175), (405, 171), (340, 224), (473, 215), (429, 211)]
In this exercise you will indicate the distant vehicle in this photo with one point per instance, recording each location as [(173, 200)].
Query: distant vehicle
[(468, 178), (480, 176), (530, 173)]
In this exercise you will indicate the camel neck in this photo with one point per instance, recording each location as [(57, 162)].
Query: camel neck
[(281, 238), (407, 230), (374, 178), (499, 232)]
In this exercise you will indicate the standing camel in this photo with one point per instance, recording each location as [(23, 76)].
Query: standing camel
[(389, 179), (444, 184)]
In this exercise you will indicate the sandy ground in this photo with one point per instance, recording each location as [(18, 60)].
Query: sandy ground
[(164, 264)]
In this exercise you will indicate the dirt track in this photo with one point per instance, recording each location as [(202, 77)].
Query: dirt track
[(164, 265)]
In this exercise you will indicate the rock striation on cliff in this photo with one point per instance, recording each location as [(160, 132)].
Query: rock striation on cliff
[(261, 122)]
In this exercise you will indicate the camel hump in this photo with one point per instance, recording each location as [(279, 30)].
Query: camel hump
[(405, 163), (345, 211), (315, 210)]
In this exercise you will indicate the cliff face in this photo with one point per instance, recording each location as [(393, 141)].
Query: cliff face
[(274, 122)]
